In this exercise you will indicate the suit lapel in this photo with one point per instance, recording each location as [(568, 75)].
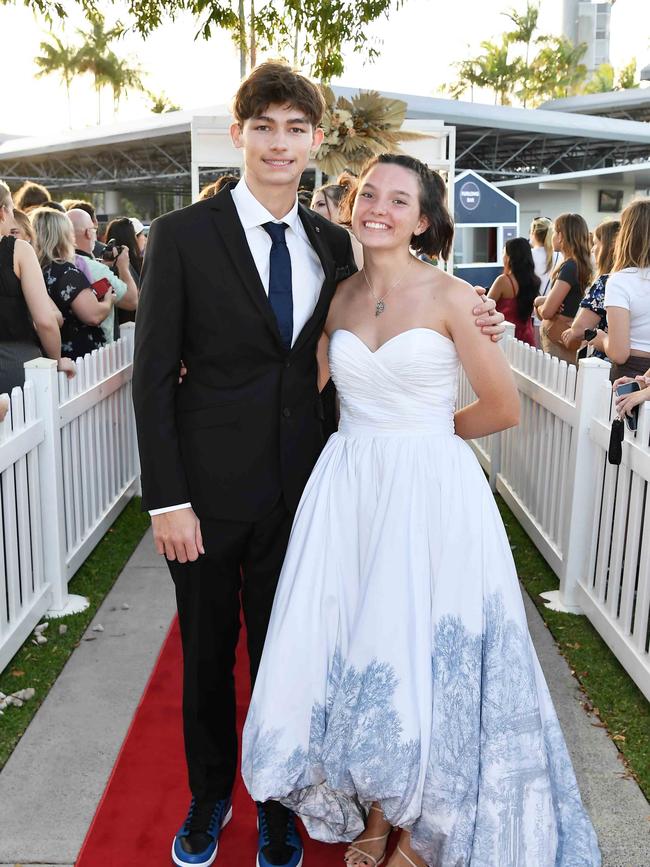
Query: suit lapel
[(314, 234), (226, 221)]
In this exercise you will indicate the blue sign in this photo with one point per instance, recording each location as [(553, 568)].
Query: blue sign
[(470, 196)]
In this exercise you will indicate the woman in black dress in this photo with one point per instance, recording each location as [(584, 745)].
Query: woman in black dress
[(68, 286), (28, 322)]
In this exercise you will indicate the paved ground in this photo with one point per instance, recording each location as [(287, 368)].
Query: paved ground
[(50, 787)]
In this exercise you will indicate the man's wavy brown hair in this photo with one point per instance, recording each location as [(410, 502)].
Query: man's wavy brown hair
[(276, 83)]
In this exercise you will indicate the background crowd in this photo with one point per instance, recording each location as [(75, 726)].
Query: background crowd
[(64, 290)]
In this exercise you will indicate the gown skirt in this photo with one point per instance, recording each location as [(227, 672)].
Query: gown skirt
[(398, 666)]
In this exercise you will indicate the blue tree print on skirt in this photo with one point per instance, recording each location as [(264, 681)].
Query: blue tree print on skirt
[(499, 789)]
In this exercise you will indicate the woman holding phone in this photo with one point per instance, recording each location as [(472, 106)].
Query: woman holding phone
[(68, 287)]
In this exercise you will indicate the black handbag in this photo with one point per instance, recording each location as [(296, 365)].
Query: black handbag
[(615, 450)]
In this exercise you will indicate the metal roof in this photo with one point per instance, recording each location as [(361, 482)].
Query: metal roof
[(639, 172), (632, 104), (499, 142)]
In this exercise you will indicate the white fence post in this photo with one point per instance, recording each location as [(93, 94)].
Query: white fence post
[(582, 480), (127, 331), (42, 373)]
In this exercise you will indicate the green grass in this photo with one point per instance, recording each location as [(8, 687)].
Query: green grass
[(39, 666), (609, 691)]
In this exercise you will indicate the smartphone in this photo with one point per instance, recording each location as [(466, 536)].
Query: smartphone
[(629, 387), (101, 287)]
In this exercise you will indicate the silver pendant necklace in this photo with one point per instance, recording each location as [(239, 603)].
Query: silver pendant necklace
[(380, 306)]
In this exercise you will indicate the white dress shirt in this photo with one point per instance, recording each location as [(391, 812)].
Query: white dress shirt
[(307, 273)]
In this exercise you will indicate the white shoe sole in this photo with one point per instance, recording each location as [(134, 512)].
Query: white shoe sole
[(299, 864), (210, 860)]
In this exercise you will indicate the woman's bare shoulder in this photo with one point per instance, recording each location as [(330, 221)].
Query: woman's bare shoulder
[(450, 289)]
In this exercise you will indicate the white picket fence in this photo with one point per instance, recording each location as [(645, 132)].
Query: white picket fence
[(68, 466), (590, 520)]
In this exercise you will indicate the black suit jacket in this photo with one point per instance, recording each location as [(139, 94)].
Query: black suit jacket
[(246, 426)]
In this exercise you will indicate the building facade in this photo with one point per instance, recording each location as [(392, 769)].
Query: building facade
[(588, 21)]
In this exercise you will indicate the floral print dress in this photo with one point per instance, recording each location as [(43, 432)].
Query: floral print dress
[(64, 283), (595, 300)]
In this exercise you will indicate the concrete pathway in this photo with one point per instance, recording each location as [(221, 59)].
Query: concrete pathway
[(51, 786)]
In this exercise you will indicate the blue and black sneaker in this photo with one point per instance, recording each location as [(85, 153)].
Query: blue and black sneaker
[(197, 842), (279, 844)]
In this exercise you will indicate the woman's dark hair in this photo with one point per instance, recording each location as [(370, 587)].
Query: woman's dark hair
[(121, 230), (522, 266), (436, 239)]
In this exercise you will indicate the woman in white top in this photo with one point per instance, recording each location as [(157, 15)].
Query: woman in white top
[(627, 296), (546, 259)]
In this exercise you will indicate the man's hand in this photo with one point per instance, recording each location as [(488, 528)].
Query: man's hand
[(177, 535), (490, 320)]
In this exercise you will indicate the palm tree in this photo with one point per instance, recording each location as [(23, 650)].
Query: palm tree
[(492, 70), (557, 70), (94, 56), (122, 77), (525, 27), (497, 72), (57, 57), (161, 104), (602, 81), (469, 77), (627, 76)]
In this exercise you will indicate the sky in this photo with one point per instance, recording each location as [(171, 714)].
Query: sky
[(418, 44)]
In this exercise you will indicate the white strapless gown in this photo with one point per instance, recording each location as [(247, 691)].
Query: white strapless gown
[(398, 666)]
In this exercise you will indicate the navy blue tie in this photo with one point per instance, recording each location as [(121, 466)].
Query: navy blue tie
[(280, 296)]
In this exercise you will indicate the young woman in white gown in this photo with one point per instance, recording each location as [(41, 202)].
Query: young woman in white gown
[(399, 689)]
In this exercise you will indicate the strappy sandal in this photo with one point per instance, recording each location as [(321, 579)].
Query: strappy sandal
[(366, 856), (404, 855)]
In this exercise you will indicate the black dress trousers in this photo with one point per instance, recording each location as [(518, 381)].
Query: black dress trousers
[(242, 561)]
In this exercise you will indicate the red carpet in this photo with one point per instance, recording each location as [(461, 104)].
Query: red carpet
[(147, 796)]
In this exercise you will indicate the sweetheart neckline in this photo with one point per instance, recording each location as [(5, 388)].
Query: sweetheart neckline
[(391, 339)]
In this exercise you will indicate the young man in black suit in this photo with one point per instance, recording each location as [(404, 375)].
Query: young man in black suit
[(238, 286)]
